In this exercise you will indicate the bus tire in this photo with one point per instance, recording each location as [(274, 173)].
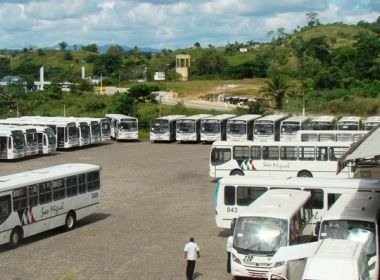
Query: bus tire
[(237, 172), (15, 238), (304, 173), (70, 221)]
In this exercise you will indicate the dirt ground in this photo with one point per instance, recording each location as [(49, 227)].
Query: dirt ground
[(154, 197)]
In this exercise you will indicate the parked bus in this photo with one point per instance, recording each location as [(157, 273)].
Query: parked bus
[(349, 123), (46, 138), (233, 194), (214, 128), (12, 143), (371, 122), (189, 128), (241, 128), (277, 218), (301, 159), (105, 128), (31, 139), (83, 130), (268, 128), (291, 125), (323, 123), (356, 217), (330, 135), (94, 129), (65, 130), (164, 128), (35, 201), (123, 127)]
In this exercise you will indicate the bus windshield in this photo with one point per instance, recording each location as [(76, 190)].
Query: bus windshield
[(160, 126), (260, 235), (211, 126), (237, 127), (321, 126), (72, 131), (186, 126), (348, 126), (51, 135), (264, 128), (360, 231), (128, 125), (31, 137), (290, 128), (18, 139), (85, 130)]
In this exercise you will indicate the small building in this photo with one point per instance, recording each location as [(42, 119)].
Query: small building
[(159, 76), (183, 66)]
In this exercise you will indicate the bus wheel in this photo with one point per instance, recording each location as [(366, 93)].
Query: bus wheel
[(237, 172), (70, 221), (304, 173), (15, 238)]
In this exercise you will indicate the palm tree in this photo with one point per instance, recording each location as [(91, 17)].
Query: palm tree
[(276, 88)]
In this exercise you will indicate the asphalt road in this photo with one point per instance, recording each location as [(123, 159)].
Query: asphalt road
[(154, 197)]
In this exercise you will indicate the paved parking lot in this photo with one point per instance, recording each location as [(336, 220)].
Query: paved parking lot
[(154, 197)]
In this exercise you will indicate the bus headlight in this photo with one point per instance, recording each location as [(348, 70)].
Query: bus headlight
[(235, 259), (277, 264)]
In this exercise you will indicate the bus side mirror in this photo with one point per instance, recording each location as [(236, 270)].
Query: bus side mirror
[(317, 228)]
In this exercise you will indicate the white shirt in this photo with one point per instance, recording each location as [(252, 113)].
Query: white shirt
[(229, 243), (191, 249)]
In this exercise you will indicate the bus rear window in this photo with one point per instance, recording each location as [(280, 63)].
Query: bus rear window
[(247, 195), (229, 195)]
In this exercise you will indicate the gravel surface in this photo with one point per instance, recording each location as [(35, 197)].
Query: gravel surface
[(154, 197)]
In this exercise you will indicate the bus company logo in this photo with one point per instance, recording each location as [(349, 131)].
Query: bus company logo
[(246, 164), (26, 216), (276, 165)]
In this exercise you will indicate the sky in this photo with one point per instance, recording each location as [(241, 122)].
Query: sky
[(169, 24)]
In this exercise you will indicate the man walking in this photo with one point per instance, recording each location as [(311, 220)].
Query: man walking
[(191, 253)]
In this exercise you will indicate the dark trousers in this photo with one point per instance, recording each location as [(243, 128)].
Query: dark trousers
[(190, 269), (228, 262)]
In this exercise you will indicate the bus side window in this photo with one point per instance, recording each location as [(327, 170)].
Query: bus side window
[(219, 156), (256, 152), (247, 195), (45, 192), (229, 195), (20, 199), (316, 199), (32, 195), (331, 198), (322, 153), (5, 207), (241, 152)]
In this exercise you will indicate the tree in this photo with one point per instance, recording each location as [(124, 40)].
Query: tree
[(197, 45), (62, 45), (211, 63), (142, 91), (312, 19), (5, 66), (91, 48), (276, 88)]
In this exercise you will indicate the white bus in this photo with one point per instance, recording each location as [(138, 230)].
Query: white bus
[(349, 123), (301, 159), (371, 122), (214, 128), (189, 128), (241, 128), (330, 135), (233, 194), (291, 125), (65, 130), (31, 138), (356, 217), (123, 127), (276, 219), (47, 143), (323, 123), (95, 129), (268, 128), (35, 201), (164, 128), (12, 143)]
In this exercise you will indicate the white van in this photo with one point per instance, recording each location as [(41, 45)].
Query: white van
[(327, 259)]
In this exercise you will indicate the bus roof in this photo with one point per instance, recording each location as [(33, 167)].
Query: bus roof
[(220, 117), (323, 119), (8, 182), (373, 119), (279, 203), (47, 120), (297, 182), (293, 119), (278, 143), (361, 206), (170, 117), (20, 127), (196, 117), (247, 117), (349, 119), (274, 117), (119, 116), (8, 131)]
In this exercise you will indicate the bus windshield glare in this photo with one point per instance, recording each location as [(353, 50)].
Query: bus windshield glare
[(260, 235), (128, 125), (18, 139), (290, 128), (160, 126), (51, 135), (186, 126), (264, 128), (211, 126), (237, 127)]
